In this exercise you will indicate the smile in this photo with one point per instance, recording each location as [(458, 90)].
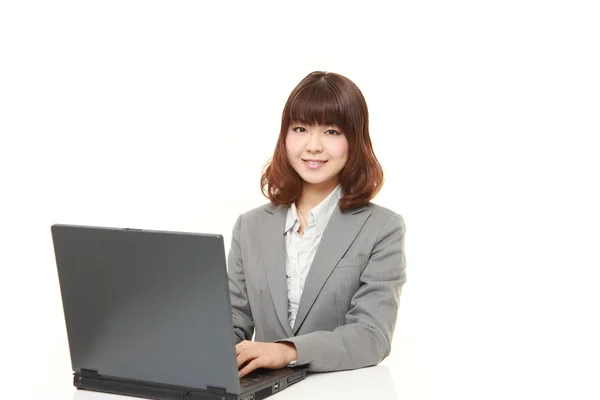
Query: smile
[(314, 164)]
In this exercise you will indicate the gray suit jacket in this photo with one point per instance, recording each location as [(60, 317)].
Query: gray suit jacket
[(348, 309)]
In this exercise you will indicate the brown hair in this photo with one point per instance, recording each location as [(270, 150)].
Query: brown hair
[(326, 98)]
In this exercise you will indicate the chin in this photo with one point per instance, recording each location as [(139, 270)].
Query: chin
[(316, 181)]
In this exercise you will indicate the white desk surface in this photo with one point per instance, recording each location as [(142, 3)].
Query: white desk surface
[(401, 376)]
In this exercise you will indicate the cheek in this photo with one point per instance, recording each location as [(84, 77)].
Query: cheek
[(292, 145), (339, 149)]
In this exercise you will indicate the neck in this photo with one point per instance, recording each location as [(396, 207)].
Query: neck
[(313, 195)]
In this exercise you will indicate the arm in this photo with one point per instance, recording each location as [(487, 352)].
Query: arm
[(243, 325), (366, 337)]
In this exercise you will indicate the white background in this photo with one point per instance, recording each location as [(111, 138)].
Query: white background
[(484, 114)]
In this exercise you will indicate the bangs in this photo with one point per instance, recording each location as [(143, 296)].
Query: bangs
[(316, 105)]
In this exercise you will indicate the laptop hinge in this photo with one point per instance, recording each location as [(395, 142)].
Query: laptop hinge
[(86, 374), (216, 390), (89, 373)]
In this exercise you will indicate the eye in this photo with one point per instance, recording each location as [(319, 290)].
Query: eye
[(332, 132), (299, 129)]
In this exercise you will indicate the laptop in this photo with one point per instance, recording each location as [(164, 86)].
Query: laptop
[(148, 314)]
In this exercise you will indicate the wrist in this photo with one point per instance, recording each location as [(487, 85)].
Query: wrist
[(290, 352)]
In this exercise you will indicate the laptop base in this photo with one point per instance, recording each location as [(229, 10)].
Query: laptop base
[(90, 380)]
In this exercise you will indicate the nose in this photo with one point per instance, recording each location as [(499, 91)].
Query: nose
[(313, 145)]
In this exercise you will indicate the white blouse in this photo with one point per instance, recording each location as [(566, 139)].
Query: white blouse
[(301, 249)]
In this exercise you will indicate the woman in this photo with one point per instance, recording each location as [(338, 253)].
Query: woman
[(316, 274)]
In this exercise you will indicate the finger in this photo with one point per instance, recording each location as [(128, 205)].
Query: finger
[(240, 347), (252, 365), (245, 356)]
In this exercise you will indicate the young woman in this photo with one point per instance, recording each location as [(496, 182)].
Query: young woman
[(316, 274)]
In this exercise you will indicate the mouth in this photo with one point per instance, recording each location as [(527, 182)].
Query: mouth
[(314, 163)]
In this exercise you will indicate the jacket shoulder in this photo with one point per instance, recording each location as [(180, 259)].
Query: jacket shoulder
[(258, 211), (384, 215)]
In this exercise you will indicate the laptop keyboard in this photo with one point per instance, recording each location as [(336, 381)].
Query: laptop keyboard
[(251, 379)]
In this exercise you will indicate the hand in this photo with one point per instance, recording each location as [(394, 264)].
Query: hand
[(264, 355)]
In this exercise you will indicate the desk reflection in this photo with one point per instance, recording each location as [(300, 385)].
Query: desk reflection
[(366, 383)]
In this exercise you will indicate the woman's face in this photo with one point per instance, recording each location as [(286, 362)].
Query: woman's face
[(317, 153)]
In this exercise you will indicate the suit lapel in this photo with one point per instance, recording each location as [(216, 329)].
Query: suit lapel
[(340, 232), (272, 242)]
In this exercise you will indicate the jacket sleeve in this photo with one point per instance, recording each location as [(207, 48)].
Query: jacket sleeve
[(366, 337), (243, 325)]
